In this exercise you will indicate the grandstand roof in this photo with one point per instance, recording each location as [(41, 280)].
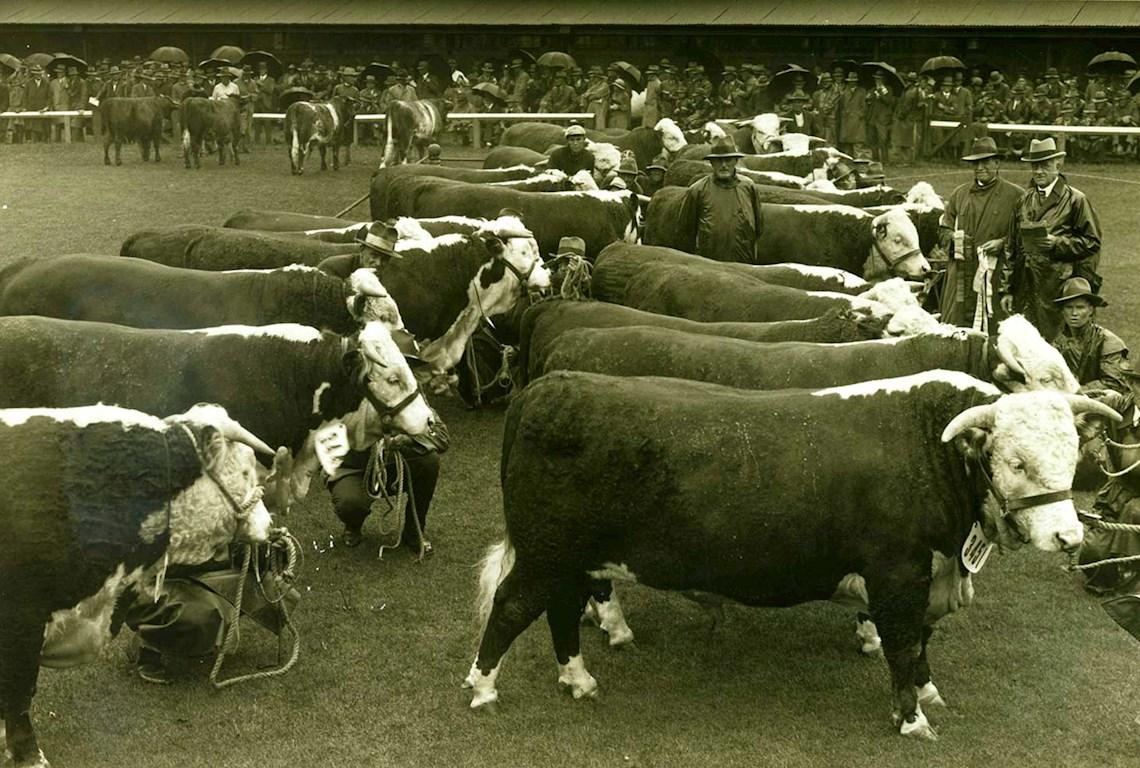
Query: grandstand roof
[(453, 13)]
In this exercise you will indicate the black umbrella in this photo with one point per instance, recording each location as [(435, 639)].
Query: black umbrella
[(492, 92), (231, 53), (784, 81), (519, 53), (1134, 83), (253, 58), (1111, 63), (66, 60), (209, 64), (377, 70), (293, 95), (556, 59), (169, 54), (437, 65), (10, 62), (891, 76), (941, 63), (629, 73), (41, 59)]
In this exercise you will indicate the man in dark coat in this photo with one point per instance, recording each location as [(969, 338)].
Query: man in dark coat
[(37, 98), (574, 156), (723, 208), (1053, 235), (852, 112), (980, 210), (880, 111)]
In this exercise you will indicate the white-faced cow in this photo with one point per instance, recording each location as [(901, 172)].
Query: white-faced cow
[(95, 500), (412, 124), (324, 123), (877, 482), (216, 119)]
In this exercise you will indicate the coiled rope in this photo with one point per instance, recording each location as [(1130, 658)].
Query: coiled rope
[(376, 485)]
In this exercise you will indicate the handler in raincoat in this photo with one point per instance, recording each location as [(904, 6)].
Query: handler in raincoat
[(1053, 235), (722, 210)]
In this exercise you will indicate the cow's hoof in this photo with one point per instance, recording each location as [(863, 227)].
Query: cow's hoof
[(918, 728), (621, 637), (118, 162), (580, 687), (106, 161), (39, 762), (929, 696), (485, 701), (869, 641)]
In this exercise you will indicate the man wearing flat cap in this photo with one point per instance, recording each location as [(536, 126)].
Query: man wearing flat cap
[(974, 226), (722, 210), (1054, 234), (574, 156)]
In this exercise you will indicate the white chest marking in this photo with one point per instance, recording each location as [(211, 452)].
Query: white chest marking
[(78, 635), (614, 572)]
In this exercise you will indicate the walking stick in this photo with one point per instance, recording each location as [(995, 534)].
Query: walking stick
[(359, 200)]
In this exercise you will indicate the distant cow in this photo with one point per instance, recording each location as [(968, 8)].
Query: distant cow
[(326, 124), (412, 124), (209, 118), (133, 119), (94, 500)]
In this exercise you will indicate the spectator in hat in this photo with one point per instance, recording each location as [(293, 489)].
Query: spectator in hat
[(980, 211), (561, 97), (651, 106), (909, 119), (796, 109), (596, 97), (1043, 110), (37, 98), (428, 84), (944, 106), (225, 88), (247, 90), (728, 95), (852, 117), (518, 86), (265, 101), (722, 210), (628, 172), (1094, 353), (618, 114), (1054, 234), (655, 175), (574, 156), (880, 112), (825, 105)]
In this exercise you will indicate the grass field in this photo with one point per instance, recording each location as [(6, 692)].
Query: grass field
[(1035, 672)]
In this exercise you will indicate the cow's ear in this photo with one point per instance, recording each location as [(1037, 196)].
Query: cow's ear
[(971, 443), (880, 230), (353, 363), (213, 447), (493, 242), (356, 305)]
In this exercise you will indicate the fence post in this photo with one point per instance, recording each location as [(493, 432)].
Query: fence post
[(477, 133)]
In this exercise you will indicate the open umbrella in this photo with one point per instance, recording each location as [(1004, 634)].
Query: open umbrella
[(209, 64), (231, 53), (940, 63), (1111, 63), (40, 59), (253, 58), (519, 53), (293, 95), (1134, 84), (168, 54), (377, 70), (891, 76), (437, 65), (10, 62), (65, 60), (629, 73), (492, 92), (557, 60), (784, 81)]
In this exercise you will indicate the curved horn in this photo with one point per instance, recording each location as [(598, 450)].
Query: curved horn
[(365, 283), (981, 416), (1005, 352), (231, 430), (1084, 404)]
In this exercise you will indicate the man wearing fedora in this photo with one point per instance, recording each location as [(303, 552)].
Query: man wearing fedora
[(651, 107), (1094, 353), (852, 115), (37, 98), (1053, 235), (722, 210), (973, 228)]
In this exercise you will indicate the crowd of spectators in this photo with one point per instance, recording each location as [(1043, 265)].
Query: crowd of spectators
[(883, 116)]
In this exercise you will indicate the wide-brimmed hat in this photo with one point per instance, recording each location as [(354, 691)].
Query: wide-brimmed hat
[(984, 148), (515, 63), (1042, 149), (1079, 288), (724, 146), (872, 171), (571, 246), (628, 165), (380, 236), (852, 77), (658, 163)]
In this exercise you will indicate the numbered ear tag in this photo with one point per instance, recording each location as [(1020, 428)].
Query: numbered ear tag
[(976, 549), (332, 446)]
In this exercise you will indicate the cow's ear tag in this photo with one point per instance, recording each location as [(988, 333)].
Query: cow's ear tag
[(976, 549), (332, 446)]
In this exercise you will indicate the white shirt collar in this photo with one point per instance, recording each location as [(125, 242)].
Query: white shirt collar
[(1048, 189)]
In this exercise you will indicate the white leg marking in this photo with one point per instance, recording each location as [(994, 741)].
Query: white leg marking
[(868, 634), (929, 695), (920, 728), (574, 676), (484, 685), (611, 619)]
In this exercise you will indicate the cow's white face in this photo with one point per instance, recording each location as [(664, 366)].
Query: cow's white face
[(1022, 347), (671, 136), (1031, 442), (607, 158), (896, 239), (712, 131), (390, 380), (799, 143), (764, 128), (503, 295), (370, 301)]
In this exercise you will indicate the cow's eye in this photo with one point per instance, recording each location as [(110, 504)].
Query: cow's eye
[(394, 380), (1017, 465)]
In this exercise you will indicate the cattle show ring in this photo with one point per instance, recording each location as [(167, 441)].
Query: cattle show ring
[(715, 512)]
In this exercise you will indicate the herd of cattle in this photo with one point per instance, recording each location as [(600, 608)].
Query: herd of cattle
[(773, 433)]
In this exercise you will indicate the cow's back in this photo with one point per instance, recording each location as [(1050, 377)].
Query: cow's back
[(819, 235)]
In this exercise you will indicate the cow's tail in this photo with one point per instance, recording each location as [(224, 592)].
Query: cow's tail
[(389, 146), (185, 138), (494, 567)]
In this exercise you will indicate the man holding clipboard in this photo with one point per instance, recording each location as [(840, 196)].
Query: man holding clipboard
[(1054, 234)]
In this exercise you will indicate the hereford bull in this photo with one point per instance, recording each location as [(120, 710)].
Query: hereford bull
[(598, 217), (514, 157), (283, 382), (142, 294), (328, 124), (383, 177), (194, 246), (133, 119), (684, 172), (544, 323), (216, 119), (826, 511), (840, 236), (96, 500), (412, 124)]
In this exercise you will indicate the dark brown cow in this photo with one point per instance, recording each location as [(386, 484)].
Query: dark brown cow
[(138, 119), (215, 118), (412, 124), (326, 124)]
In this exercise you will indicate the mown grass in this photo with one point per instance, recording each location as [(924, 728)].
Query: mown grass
[(1035, 672)]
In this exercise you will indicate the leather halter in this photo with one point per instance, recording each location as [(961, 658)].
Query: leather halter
[(891, 264), (388, 413), (1009, 506)]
